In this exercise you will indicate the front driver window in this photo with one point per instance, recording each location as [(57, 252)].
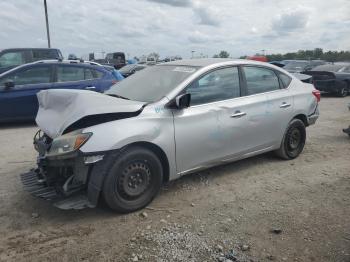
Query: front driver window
[(215, 86), (35, 75)]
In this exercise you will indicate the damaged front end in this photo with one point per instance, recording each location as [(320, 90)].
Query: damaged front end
[(63, 172)]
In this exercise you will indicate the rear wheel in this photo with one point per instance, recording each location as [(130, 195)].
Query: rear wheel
[(133, 181), (293, 141), (343, 92)]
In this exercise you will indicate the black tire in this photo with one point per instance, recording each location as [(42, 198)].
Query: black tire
[(133, 181), (343, 92), (293, 141)]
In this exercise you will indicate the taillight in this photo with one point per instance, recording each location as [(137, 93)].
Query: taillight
[(317, 94)]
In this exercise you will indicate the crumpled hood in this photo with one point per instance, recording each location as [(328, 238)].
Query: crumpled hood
[(60, 108)]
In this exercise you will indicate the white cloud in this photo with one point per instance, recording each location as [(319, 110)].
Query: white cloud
[(290, 20), (172, 27)]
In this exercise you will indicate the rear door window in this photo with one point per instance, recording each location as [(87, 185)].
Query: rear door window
[(97, 73), (12, 59), (70, 73), (260, 80), (88, 74)]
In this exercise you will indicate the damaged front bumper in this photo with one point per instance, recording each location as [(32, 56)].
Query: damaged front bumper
[(70, 181)]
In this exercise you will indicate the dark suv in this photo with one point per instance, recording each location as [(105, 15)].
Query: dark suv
[(10, 58)]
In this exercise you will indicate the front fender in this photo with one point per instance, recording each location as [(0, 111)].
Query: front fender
[(156, 128)]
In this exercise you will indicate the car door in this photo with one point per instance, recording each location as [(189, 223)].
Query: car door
[(204, 130), (268, 107), (20, 102), (72, 76)]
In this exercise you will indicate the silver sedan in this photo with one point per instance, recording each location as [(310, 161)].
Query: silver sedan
[(161, 123)]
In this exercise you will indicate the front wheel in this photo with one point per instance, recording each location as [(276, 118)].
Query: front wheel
[(293, 141), (133, 181)]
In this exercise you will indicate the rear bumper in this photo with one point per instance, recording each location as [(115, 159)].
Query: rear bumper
[(312, 118)]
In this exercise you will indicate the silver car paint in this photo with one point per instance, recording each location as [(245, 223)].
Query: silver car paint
[(205, 135)]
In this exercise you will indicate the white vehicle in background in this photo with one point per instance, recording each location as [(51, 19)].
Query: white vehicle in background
[(166, 121)]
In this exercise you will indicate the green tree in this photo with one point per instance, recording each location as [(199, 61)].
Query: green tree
[(224, 54)]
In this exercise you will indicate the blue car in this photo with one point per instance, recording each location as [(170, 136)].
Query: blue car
[(19, 86)]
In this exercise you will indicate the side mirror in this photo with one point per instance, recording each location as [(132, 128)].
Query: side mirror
[(183, 101), (9, 84)]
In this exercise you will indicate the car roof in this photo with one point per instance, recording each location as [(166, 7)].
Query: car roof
[(203, 62), (27, 48), (59, 62)]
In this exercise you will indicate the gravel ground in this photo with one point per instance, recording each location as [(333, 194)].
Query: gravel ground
[(257, 209)]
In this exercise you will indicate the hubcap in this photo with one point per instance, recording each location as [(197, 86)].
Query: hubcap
[(134, 180), (344, 92), (294, 139)]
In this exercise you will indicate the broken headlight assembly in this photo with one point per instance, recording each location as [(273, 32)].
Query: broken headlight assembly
[(68, 143)]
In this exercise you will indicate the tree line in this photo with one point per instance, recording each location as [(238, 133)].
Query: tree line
[(317, 53)]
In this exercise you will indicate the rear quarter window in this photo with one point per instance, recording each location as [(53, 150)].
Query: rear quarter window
[(285, 80)]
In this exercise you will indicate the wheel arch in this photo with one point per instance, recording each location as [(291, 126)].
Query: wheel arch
[(159, 153), (303, 118)]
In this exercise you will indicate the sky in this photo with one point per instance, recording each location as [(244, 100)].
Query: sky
[(177, 27)]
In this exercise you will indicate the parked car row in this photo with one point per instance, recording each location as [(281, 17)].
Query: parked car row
[(331, 78), (19, 86), (10, 58)]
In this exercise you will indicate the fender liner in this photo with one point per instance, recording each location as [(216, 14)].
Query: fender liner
[(98, 174)]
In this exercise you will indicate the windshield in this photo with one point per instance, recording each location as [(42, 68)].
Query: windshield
[(296, 64), (152, 83)]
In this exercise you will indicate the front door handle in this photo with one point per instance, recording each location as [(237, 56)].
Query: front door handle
[(285, 105), (90, 88), (238, 114)]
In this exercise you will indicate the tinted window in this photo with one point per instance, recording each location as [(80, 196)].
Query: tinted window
[(88, 74), (260, 80), (34, 75), (11, 59), (152, 83), (218, 85), (284, 79), (347, 70), (70, 73), (100, 74), (44, 54), (329, 68)]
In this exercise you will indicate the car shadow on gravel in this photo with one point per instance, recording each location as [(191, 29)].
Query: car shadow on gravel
[(29, 205)]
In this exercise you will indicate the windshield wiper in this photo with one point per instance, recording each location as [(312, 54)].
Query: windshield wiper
[(118, 96)]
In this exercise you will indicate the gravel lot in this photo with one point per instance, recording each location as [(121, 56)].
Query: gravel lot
[(258, 209)]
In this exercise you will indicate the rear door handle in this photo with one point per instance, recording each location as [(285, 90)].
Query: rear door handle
[(238, 114), (90, 87), (285, 105)]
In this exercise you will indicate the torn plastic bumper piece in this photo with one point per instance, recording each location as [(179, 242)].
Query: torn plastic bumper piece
[(33, 184)]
